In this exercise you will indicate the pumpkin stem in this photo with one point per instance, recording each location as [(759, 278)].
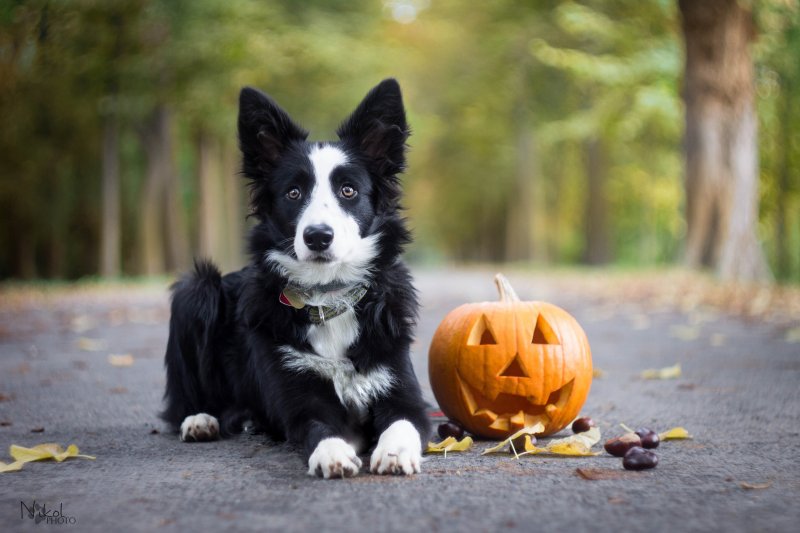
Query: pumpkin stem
[(507, 292)]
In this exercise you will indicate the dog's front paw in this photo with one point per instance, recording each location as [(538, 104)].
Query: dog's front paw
[(333, 457), (399, 450), (199, 427)]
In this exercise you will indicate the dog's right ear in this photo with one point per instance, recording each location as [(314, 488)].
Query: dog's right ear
[(265, 132)]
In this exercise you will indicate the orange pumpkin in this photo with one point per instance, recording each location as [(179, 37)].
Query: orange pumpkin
[(497, 367)]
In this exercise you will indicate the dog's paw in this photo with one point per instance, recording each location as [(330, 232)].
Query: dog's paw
[(199, 427), (399, 450), (333, 457)]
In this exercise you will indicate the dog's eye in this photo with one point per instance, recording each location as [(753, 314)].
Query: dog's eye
[(293, 194), (349, 192)]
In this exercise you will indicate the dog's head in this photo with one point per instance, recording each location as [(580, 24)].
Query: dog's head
[(320, 205)]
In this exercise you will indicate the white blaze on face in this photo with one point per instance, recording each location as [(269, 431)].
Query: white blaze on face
[(324, 208)]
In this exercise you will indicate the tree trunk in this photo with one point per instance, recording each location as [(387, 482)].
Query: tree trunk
[(597, 249), (110, 228), (721, 145), (151, 228), (210, 225), (782, 259), (520, 218), (234, 209), (178, 249)]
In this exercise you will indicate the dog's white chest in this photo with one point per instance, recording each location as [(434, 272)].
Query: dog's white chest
[(333, 338)]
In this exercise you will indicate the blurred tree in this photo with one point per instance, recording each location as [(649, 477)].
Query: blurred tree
[(721, 143)]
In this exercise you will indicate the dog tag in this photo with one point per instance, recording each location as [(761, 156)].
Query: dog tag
[(291, 298)]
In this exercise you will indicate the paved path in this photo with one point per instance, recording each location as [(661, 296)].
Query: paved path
[(739, 395)]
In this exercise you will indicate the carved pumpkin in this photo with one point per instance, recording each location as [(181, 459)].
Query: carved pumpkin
[(497, 367)]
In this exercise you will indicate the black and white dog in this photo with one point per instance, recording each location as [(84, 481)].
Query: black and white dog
[(311, 339)]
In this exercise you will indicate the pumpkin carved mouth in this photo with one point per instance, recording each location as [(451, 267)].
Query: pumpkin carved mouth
[(515, 412)]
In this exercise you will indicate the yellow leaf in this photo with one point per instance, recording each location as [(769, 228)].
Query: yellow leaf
[(792, 335), (11, 467), (669, 372), (538, 427), (579, 444), (685, 333), (37, 453), (675, 434), (574, 448), (91, 345), (450, 444), (120, 359), (598, 373), (41, 452)]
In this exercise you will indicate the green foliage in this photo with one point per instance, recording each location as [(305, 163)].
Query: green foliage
[(504, 98)]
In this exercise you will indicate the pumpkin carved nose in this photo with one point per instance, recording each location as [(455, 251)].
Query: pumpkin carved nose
[(514, 369)]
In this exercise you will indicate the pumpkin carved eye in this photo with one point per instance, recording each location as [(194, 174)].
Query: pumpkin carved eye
[(481, 333), (543, 333)]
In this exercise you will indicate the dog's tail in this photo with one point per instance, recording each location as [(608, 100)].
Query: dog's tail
[(198, 308)]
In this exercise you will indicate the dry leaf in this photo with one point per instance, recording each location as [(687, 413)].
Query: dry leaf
[(792, 335), (11, 467), (587, 438), (593, 474), (120, 359), (578, 445), (82, 323), (669, 372), (755, 486), (598, 373), (717, 340), (576, 448), (685, 333), (675, 434), (450, 444), (538, 427), (39, 452), (91, 345)]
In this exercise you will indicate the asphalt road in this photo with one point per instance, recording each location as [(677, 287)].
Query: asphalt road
[(739, 395)]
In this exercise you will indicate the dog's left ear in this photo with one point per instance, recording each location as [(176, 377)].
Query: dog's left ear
[(378, 129)]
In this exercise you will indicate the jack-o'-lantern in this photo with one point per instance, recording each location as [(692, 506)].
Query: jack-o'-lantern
[(497, 367)]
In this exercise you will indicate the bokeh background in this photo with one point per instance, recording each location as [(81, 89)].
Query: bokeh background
[(545, 132)]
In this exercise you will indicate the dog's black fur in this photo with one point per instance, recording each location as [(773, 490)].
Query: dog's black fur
[(222, 356)]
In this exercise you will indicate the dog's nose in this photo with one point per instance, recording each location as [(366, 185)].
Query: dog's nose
[(318, 237)]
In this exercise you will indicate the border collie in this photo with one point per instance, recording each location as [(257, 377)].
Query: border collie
[(310, 341)]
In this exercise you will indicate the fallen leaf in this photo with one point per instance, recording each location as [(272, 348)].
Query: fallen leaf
[(669, 372), (538, 427), (82, 323), (677, 433), (11, 467), (717, 340), (40, 452), (577, 449), (125, 359), (755, 486), (685, 333), (5, 423), (578, 445), (154, 432), (91, 345), (37, 430), (6, 397), (598, 373), (593, 474), (450, 444), (118, 390), (792, 335)]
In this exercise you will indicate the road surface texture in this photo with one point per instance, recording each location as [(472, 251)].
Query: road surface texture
[(739, 395)]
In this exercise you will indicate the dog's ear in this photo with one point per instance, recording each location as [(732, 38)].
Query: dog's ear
[(378, 129), (265, 132)]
